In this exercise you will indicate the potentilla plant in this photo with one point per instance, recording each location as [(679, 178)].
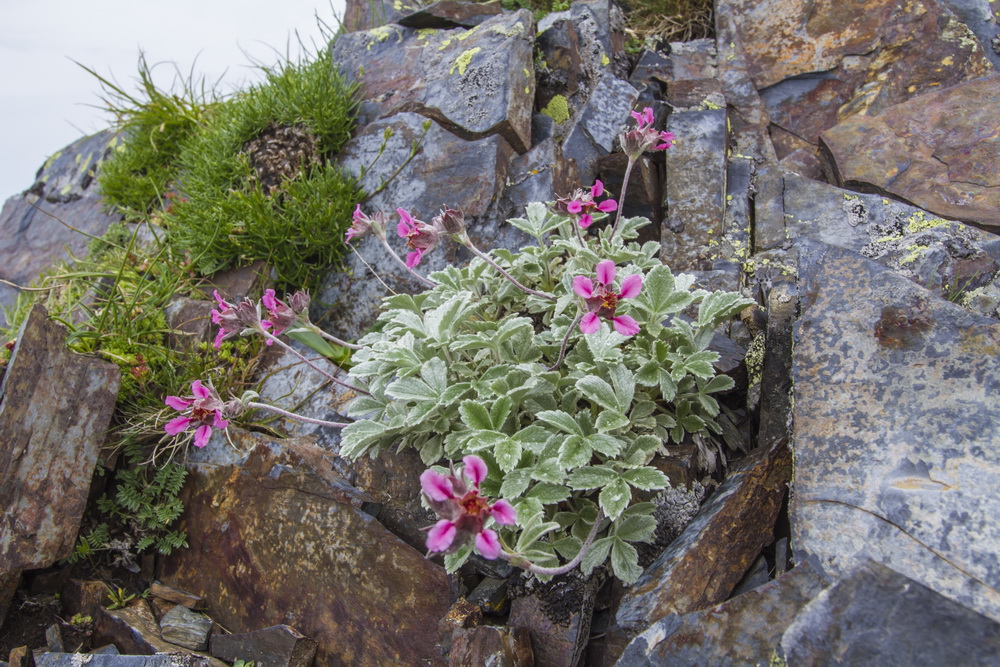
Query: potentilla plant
[(554, 374)]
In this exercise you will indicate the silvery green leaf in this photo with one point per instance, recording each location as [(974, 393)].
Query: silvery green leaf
[(475, 415), (624, 385), (636, 528), (560, 420), (500, 411), (524, 225), (598, 391), (574, 452), (507, 453), (596, 554), (567, 547), (592, 477), (625, 562), (719, 307), (548, 470), (515, 483), (432, 451), (718, 383), (657, 287), (645, 478), (453, 393), (699, 364), (419, 412), (708, 404), (692, 423), (605, 344), (358, 437), (608, 445), (649, 373), (483, 439), (533, 438), (549, 494), (668, 388), (642, 409), (411, 389), (362, 405), (614, 498), (456, 560), (533, 532), (611, 420), (435, 374)]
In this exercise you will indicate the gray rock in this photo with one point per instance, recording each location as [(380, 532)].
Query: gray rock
[(277, 646), (54, 639), (447, 14), (491, 596), (607, 111), (978, 16), (742, 631), (134, 631), (693, 60), (186, 628), (368, 14), (895, 426), (115, 660), (876, 616)]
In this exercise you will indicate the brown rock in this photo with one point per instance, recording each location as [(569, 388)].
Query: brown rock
[(135, 632), (557, 617), (368, 14), (931, 151), (83, 597), (176, 596), (488, 645), (704, 564), (8, 586), (55, 407), (445, 14), (776, 376), (277, 646), (21, 657), (284, 536), (462, 615)]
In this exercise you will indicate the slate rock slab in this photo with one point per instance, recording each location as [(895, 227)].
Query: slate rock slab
[(703, 565), (895, 429), (135, 632), (278, 536), (488, 645), (446, 14), (55, 407), (475, 82), (938, 151), (277, 646), (556, 616), (742, 631), (876, 616), (186, 628), (100, 660)]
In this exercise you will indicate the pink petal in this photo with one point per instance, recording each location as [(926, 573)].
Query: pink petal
[(436, 486), (597, 189), (504, 513), (637, 116), (440, 537), (668, 140), (176, 425), (606, 272), (488, 544), (625, 325), (475, 469), (574, 206), (219, 422), (402, 229), (586, 220), (222, 302), (413, 258), (216, 317), (177, 403), (608, 205), (218, 339), (202, 435), (647, 115), (351, 233), (358, 215), (583, 287), (268, 300), (631, 286), (590, 323), (199, 390)]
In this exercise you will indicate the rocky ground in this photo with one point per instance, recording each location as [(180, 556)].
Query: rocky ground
[(838, 165)]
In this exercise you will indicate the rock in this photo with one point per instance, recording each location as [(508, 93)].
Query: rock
[(21, 657), (776, 375), (368, 14), (54, 639), (83, 597), (115, 660), (446, 14), (156, 589), (895, 429), (277, 646), (979, 17), (703, 565), (32, 224), (475, 82), (539, 175), (50, 434), (488, 645), (9, 582), (600, 121), (462, 615), (695, 188), (929, 150), (874, 615), (186, 628), (556, 615), (109, 649), (135, 632), (740, 631), (290, 539), (491, 596)]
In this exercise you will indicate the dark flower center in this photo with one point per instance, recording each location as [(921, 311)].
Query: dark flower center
[(473, 504)]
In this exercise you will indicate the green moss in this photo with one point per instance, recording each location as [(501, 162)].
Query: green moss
[(557, 109), (463, 60)]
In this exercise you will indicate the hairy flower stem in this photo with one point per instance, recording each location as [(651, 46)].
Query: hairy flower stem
[(562, 350), (621, 197), (399, 260), (334, 339), (562, 569), (467, 242), (311, 365), (292, 415)]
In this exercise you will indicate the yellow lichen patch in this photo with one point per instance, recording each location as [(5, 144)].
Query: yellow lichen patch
[(516, 29), (463, 60), (947, 61), (444, 44), (527, 90), (527, 73), (916, 251), (52, 158), (977, 344), (557, 109), (605, 61), (425, 33), (919, 222), (379, 35), (709, 106), (467, 34)]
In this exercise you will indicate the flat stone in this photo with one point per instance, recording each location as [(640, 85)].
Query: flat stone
[(50, 434), (54, 639), (703, 565), (277, 646), (930, 151), (895, 426), (284, 536), (446, 14), (115, 660), (186, 628), (541, 174), (21, 657), (34, 223), (83, 597), (557, 617), (369, 14), (693, 60), (980, 18), (607, 111), (742, 631), (488, 645), (462, 615), (134, 631), (776, 375), (475, 82), (156, 589), (491, 596), (876, 616), (695, 189)]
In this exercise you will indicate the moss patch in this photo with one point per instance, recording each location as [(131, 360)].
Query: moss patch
[(557, 109)]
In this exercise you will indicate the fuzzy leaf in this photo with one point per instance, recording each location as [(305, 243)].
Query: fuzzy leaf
[(599, 392), (480, 440), (549, 471), (500, 411), (515, 483), (615, 498), (596, 555), (719, 307), (606, 444), (625, 562), (574, 452), (560, 420), (411, 389), (592, 477), (475, 415), (507, 453), (718, 383), (647, 479), (636, 528), (611, 420), (456, 560), (533, 438), (357, 437), (549, 494), (435, 374)]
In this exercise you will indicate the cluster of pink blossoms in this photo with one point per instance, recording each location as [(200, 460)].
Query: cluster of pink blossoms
[(644, 137), (602, 301), (583, 204), (244, 317), (462, 511), (204, 408)]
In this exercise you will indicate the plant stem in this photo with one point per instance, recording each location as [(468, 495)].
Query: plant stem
[(292, 415), (562, 569), (467, 242), (399, 260), (562, 350), (316, 368), (332, 338), (621, 197)]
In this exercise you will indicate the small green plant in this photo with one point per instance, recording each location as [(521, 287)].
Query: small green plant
[(244, 663), (118, 598), (81, 622)]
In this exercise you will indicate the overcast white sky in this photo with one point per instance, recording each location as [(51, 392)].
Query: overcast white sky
[(45, 97)]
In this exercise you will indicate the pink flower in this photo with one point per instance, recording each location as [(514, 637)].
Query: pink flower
[(462, 512), (602, 301), (234, 319), (361, 225), (282, 316), (419, 236), (203, 407), (644, 137), (584, 204)]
